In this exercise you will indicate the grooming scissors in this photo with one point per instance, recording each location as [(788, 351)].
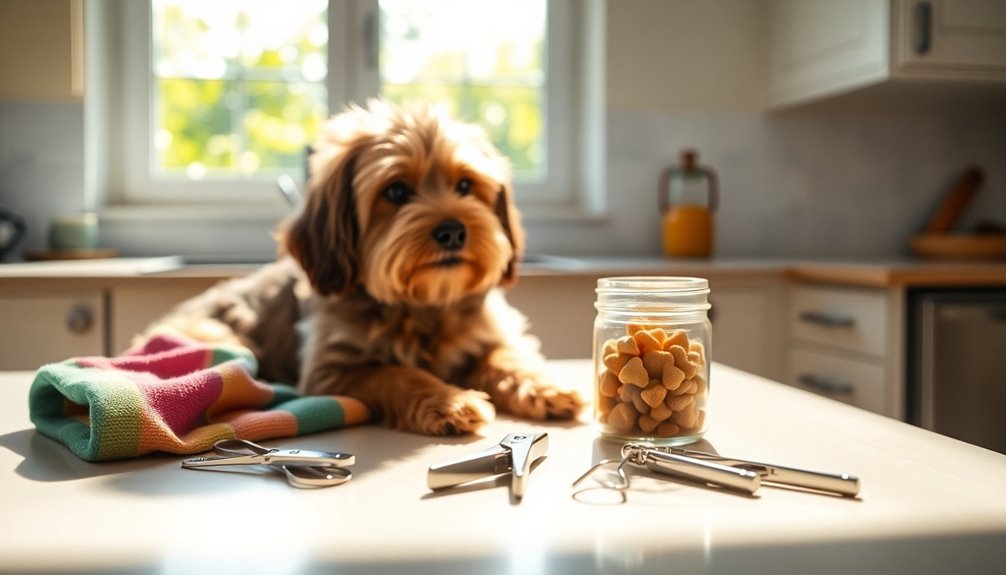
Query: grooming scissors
[(302, 467)]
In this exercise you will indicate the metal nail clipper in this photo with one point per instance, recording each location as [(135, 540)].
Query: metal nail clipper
[(735, 474), (514, 455)]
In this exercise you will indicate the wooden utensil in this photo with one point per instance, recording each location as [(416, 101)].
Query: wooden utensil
[(953, 206)]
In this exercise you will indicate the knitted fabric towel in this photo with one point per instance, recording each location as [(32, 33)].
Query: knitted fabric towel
[(175, 395)]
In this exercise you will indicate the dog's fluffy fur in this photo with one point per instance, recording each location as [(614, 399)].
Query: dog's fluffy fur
[(390, 289)]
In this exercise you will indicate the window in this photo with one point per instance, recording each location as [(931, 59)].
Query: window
[(237, 87), (226, 94)]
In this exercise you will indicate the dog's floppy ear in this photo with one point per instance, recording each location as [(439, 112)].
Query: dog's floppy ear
[(324, 236), (509, 218)]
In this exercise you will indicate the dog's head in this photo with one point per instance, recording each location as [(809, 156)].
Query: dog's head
[(409, 205)]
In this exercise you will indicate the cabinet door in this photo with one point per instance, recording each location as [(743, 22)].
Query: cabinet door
[(743, 329), (40, 328), (41, 49), (560, 312), (135, 308), (826, 47), (950, 39)]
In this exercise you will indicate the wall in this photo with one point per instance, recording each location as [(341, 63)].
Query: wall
[(41, 163), (837, 179), (852, 177), (41, 115)]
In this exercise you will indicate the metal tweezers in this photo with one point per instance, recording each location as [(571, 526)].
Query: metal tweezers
[(514, 455), (302, 467)]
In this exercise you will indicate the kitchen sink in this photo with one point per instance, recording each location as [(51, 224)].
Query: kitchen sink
[(550, 262), (530, 261)]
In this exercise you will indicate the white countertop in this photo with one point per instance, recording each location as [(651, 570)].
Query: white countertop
[(928, 504)]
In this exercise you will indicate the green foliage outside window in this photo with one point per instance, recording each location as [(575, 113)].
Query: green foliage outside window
[(239, 85)]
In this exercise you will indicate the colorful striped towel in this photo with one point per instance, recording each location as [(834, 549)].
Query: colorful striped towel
[(175, 395)]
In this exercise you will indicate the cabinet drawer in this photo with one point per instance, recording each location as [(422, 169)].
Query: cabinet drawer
[(858, 383), (41, 327), (852, 319)]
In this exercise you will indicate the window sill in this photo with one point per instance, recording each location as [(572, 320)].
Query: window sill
[(266, 213), (222, 232), (193, 213)]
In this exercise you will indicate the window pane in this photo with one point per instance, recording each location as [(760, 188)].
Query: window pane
[(482, 61), (194, 131), (279, 118), (239, 85), (511, 116)]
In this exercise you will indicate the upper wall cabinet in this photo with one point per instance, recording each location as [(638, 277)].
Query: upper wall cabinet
[(42, 50), (820, 48)]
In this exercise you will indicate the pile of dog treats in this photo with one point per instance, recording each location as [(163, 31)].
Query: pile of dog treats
[(651, 383)]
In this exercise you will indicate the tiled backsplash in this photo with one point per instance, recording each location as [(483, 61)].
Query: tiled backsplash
[(823, 181), (41, 163), (831, 180)]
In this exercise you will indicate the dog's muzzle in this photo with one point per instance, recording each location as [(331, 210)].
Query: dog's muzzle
[(450, 235)]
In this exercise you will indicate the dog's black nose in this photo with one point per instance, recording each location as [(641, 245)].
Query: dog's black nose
[(450, 234)]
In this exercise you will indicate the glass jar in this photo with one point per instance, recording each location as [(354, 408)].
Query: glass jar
[(652, 342)]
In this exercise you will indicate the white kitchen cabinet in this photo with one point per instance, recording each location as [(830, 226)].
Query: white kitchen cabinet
[(820, 48), (966, 40), (745, 316), (42, 50), (854, 380), (846, 343), (747, 326), (42, 326), (47, 319), (135, 307), (560, 312)]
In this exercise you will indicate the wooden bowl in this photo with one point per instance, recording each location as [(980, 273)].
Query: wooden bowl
[(959, 246)]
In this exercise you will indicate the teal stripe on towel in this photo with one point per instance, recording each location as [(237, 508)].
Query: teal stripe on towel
[(315, 414)]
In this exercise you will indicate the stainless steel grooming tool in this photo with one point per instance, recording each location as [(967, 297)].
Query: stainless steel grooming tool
[(514, 455), (676, 465), (302, 467), (736, 474), (838, 483)]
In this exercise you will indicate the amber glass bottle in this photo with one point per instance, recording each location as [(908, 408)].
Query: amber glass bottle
[(688, 197)]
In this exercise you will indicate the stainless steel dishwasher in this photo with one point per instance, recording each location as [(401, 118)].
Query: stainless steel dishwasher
[(957, 364)]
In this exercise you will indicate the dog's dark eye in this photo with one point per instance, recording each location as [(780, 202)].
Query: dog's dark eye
[(397, 193), (464, 186)]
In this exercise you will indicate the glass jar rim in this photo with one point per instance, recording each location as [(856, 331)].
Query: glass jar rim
[(680, 285), (652, 295)]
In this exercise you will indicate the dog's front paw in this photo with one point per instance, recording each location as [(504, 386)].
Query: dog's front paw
[(540, 399), (455, 413)]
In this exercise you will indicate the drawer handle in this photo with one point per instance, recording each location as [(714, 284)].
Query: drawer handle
[(923, 37), (827, 319), (79, 319), (825, 385), (998, 315)]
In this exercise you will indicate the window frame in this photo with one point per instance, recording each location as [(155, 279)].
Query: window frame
[(352, 77)]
